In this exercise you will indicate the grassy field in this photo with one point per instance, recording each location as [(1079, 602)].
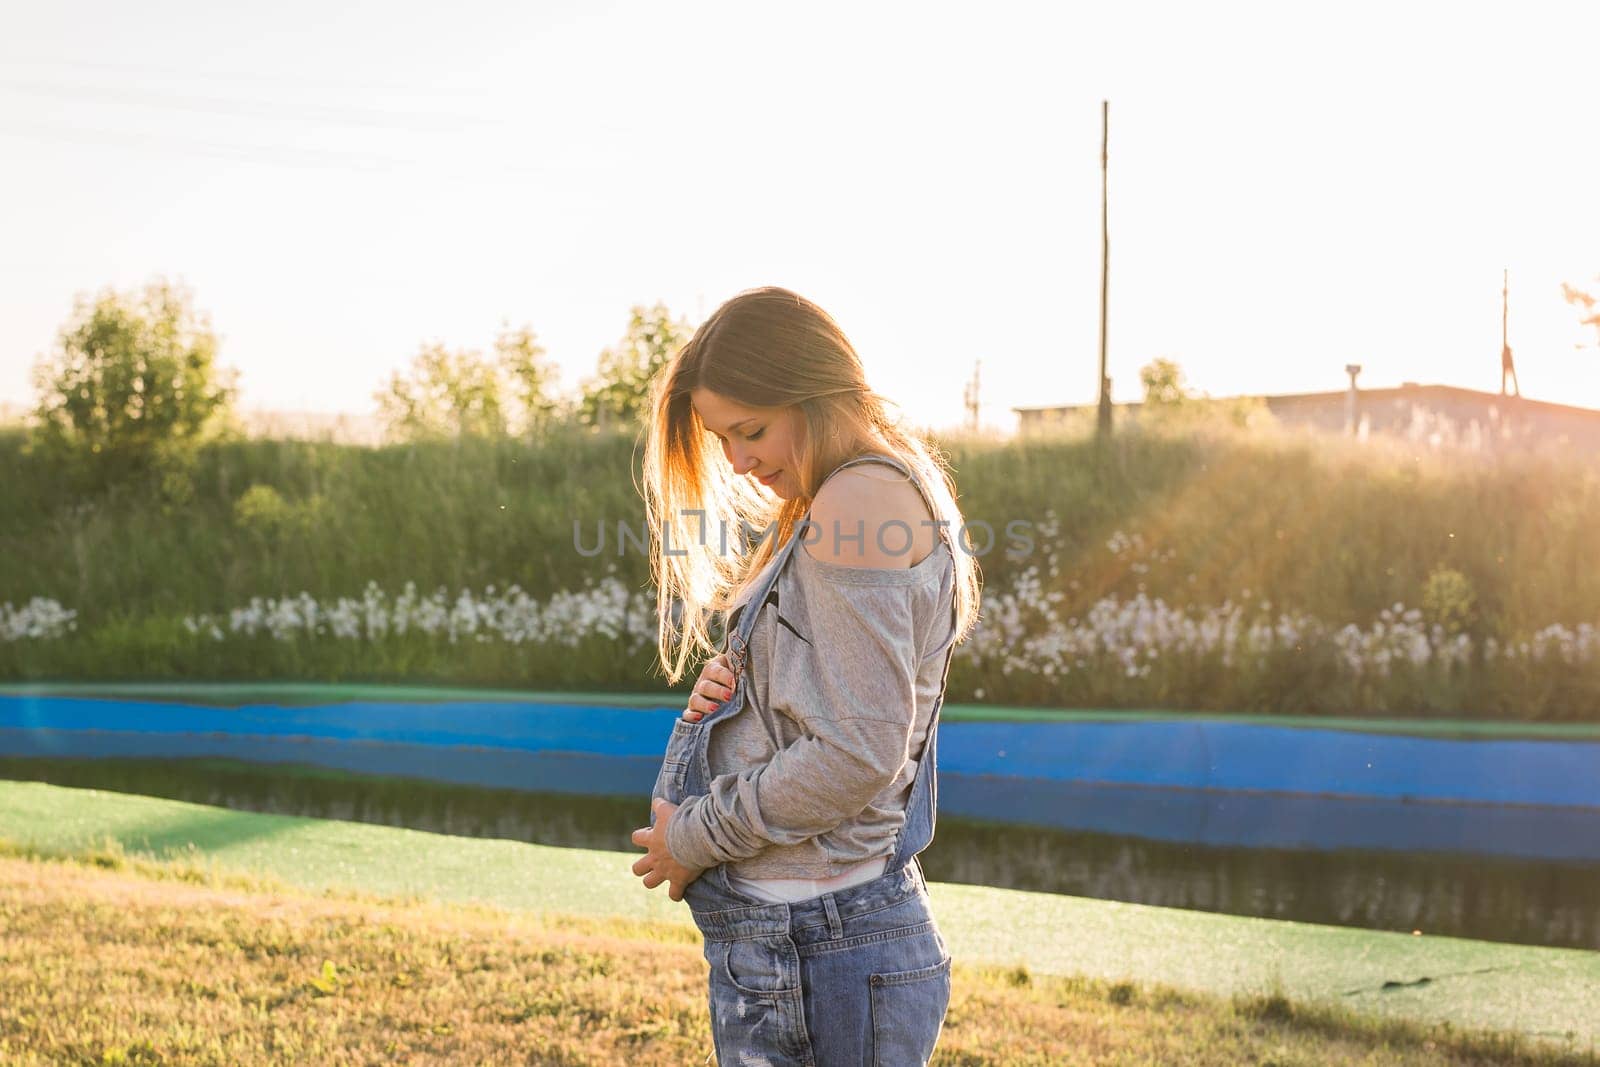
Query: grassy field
[(111, 959), (1467, 986), (1265, 522)]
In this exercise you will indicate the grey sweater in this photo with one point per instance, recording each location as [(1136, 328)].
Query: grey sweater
[(813, 775)]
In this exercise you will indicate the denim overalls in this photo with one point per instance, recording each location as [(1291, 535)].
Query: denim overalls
[(859, 976)]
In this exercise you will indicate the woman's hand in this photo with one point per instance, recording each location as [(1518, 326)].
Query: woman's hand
[(714, 686), (657, 865)]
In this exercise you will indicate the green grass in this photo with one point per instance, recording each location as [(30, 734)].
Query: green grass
[(1551, 994)]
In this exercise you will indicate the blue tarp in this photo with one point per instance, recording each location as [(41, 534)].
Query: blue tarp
[(1199, 781)]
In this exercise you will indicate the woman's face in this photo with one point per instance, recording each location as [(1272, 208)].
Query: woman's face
[(763, 443)]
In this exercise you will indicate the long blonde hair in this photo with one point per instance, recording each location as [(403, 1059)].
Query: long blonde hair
[(765, 347)]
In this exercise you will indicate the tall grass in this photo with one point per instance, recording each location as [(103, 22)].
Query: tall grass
[(1200, 516), (468, 513)]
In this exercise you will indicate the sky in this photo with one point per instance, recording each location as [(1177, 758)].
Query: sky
[(1292, 188)]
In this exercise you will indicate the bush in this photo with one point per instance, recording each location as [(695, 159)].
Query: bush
[(1448, 600)]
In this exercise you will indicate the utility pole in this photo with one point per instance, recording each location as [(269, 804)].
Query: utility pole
[(1352, 399), (1103, 425), (1506, 364), (969, 397)]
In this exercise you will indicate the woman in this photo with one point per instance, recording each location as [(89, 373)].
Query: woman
[(799, 784)]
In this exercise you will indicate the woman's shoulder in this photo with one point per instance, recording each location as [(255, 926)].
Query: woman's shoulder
[(871, 515)]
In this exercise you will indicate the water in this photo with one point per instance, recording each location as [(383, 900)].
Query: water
[(1529, 902)]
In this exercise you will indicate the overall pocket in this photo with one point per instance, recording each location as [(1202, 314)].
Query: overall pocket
[(759, 966), (908, 1009), (675, 763), (757, 1007)]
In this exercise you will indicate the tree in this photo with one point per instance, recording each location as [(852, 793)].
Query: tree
[(445, 394), (454, 394), (133, 375), (1170, 402), (1163, 384), (532, 378), (620, 390)]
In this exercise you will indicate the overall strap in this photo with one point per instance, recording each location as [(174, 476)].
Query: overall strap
[(922, 806), (738, 646), (900, 465)]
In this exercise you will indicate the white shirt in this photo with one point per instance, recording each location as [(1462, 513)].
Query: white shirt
[(789, 890)]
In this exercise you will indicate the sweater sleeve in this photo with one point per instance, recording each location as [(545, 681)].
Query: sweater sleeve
[(854, 694)]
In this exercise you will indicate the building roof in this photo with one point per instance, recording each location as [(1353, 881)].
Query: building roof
[(1408, 390)]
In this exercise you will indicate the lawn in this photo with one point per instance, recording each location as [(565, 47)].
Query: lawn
[(1038, 975)]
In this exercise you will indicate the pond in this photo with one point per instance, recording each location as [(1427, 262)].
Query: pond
[(1529, 901)]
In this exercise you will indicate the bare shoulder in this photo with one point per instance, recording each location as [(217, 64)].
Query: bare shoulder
[(882, 506)]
